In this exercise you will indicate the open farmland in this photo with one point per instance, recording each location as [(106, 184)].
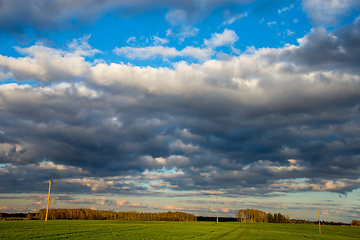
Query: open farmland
[(102, 229)]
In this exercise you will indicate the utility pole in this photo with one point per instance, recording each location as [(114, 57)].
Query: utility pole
[(319, 221), (217, 210), (47, 208)]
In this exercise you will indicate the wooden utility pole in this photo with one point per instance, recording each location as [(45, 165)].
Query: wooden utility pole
[(319, 221), (217, 210), (47, 208)]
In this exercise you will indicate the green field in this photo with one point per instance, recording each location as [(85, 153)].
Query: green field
[(102, 229)]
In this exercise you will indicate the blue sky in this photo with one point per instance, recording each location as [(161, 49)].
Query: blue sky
[(159, 105)]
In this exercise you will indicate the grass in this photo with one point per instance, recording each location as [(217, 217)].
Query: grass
[(102, 229)]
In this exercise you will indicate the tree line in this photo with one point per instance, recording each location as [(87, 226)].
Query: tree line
[(89, 214), (301, 221), (355, 223), (254, 215)]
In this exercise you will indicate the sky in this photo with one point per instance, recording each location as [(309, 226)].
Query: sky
[(153, 105)]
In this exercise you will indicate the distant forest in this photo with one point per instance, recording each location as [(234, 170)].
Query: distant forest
[(242, 215), (355, 223), (254, 215), (88, 214)]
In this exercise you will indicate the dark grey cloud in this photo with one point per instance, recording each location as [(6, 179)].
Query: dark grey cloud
[(320, 49), (17, 15)]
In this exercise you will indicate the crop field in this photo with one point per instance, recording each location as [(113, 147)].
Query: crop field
[(102, 229)]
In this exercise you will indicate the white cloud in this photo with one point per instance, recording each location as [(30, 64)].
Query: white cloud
[(121, 202), (181, 29), (328, 11), (227, 38), (49, 64), (222, 78), (147, 52), (169, 32), (307, 185), (183, 32), (159, 41), (131, 40), (165, 52), (94, 184), (285, 9), (227, 79), (80, 47), (176, 17), (198, 53), (5, 75), (289, 32), (233, 18), (188, 149), (271, 23), (168, 162), (49, 166), (60, 167)]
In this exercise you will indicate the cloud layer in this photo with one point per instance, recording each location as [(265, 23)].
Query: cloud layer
[(266, 122)]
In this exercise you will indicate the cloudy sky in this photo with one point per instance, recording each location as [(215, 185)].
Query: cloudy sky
[(153, 105)]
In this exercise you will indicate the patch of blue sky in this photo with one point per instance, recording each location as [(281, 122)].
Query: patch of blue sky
[(116, 31), (349, 19), (164, 170), (7, 44), (113, 30), (3, 165), (26, 82)]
